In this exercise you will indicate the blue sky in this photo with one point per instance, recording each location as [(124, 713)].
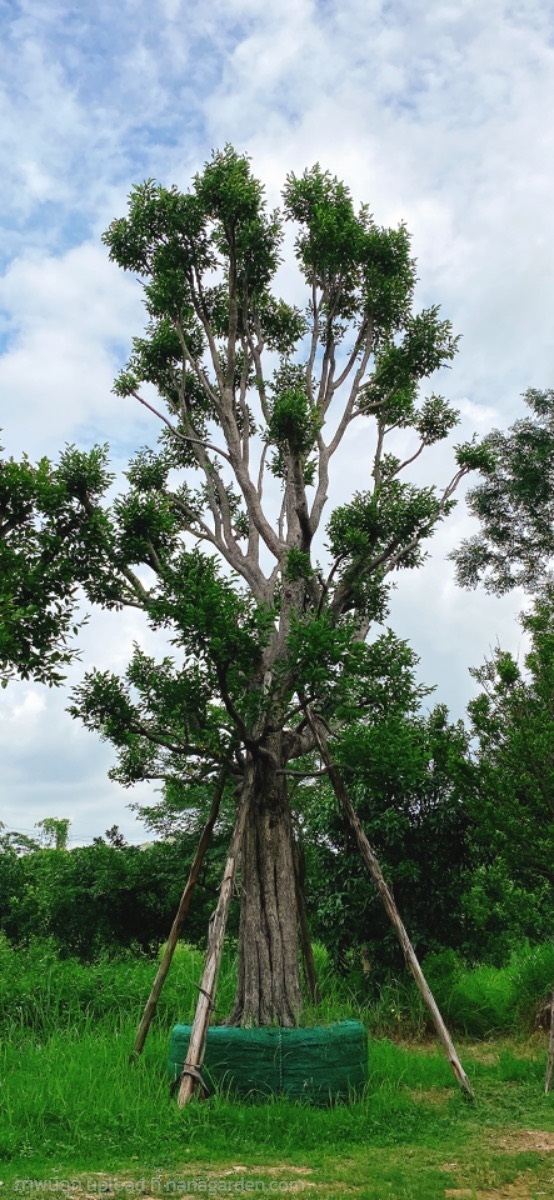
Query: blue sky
[(436, 114)]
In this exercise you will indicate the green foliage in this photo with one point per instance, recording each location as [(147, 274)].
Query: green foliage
[(106, 898), (514, 503), (486, 1000), (360, 266), (410, 780), (379, 528), (42, 533), (512, 722)]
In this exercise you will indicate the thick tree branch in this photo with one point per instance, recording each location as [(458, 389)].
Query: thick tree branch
[(188, 749)]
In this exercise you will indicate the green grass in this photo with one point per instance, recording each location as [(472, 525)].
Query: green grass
[(71, 1107)]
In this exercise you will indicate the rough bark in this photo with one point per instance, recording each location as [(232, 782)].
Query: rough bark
[(268, 990)]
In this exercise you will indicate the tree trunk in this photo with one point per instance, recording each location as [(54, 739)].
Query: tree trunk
[(268, 991)]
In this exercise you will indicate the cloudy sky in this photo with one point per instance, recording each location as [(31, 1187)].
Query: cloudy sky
[(438, 114)]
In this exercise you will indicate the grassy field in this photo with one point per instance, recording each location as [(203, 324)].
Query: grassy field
[(76, 1120)]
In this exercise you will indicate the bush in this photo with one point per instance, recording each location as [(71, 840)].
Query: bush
[(100, 898)]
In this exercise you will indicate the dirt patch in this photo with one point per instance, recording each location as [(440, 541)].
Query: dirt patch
[(261, 1170), (540, 1140), (435, 1096), (518, 1190)]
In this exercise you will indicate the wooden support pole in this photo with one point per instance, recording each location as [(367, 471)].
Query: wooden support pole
[(310, 974), (175, 932), (195, 1056), (372, 863), (550, 1059)]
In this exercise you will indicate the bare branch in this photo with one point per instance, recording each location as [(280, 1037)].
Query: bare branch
[(304, 774), (353, 356), (353, 395), (155, 561), (326, 452), (185, 748), (300, 503), (407, 461), (314, 343), (196, 366), (261, 470), (233, 314), (320, 498), (245, 415), (176, 432), (140, 591), (256, 352), (378, 453), (200, 307), (231, 709)]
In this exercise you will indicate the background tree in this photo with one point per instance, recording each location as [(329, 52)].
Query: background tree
[(54, 831), (218, 535), (98, 898), (46, 538), (511, 893), (513, 725), (514, 503), (412, 783)]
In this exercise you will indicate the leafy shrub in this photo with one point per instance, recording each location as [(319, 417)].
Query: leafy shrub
[(533, 971)]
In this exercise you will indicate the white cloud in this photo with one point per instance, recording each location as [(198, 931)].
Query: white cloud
[(25, 713), (68, 320)]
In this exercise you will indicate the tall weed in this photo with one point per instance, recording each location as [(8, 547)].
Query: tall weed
[(42, 993)]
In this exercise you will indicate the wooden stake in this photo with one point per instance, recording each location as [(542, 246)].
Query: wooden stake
[(310, 974), (175, 933), (195, 1056), (372, 863), (550, 1059)]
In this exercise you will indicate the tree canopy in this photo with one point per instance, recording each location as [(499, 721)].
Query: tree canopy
[(250, 384)]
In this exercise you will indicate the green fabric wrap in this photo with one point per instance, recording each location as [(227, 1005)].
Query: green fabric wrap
[(321, 1065)]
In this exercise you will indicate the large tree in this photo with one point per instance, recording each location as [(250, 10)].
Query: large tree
[(218, 536)]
